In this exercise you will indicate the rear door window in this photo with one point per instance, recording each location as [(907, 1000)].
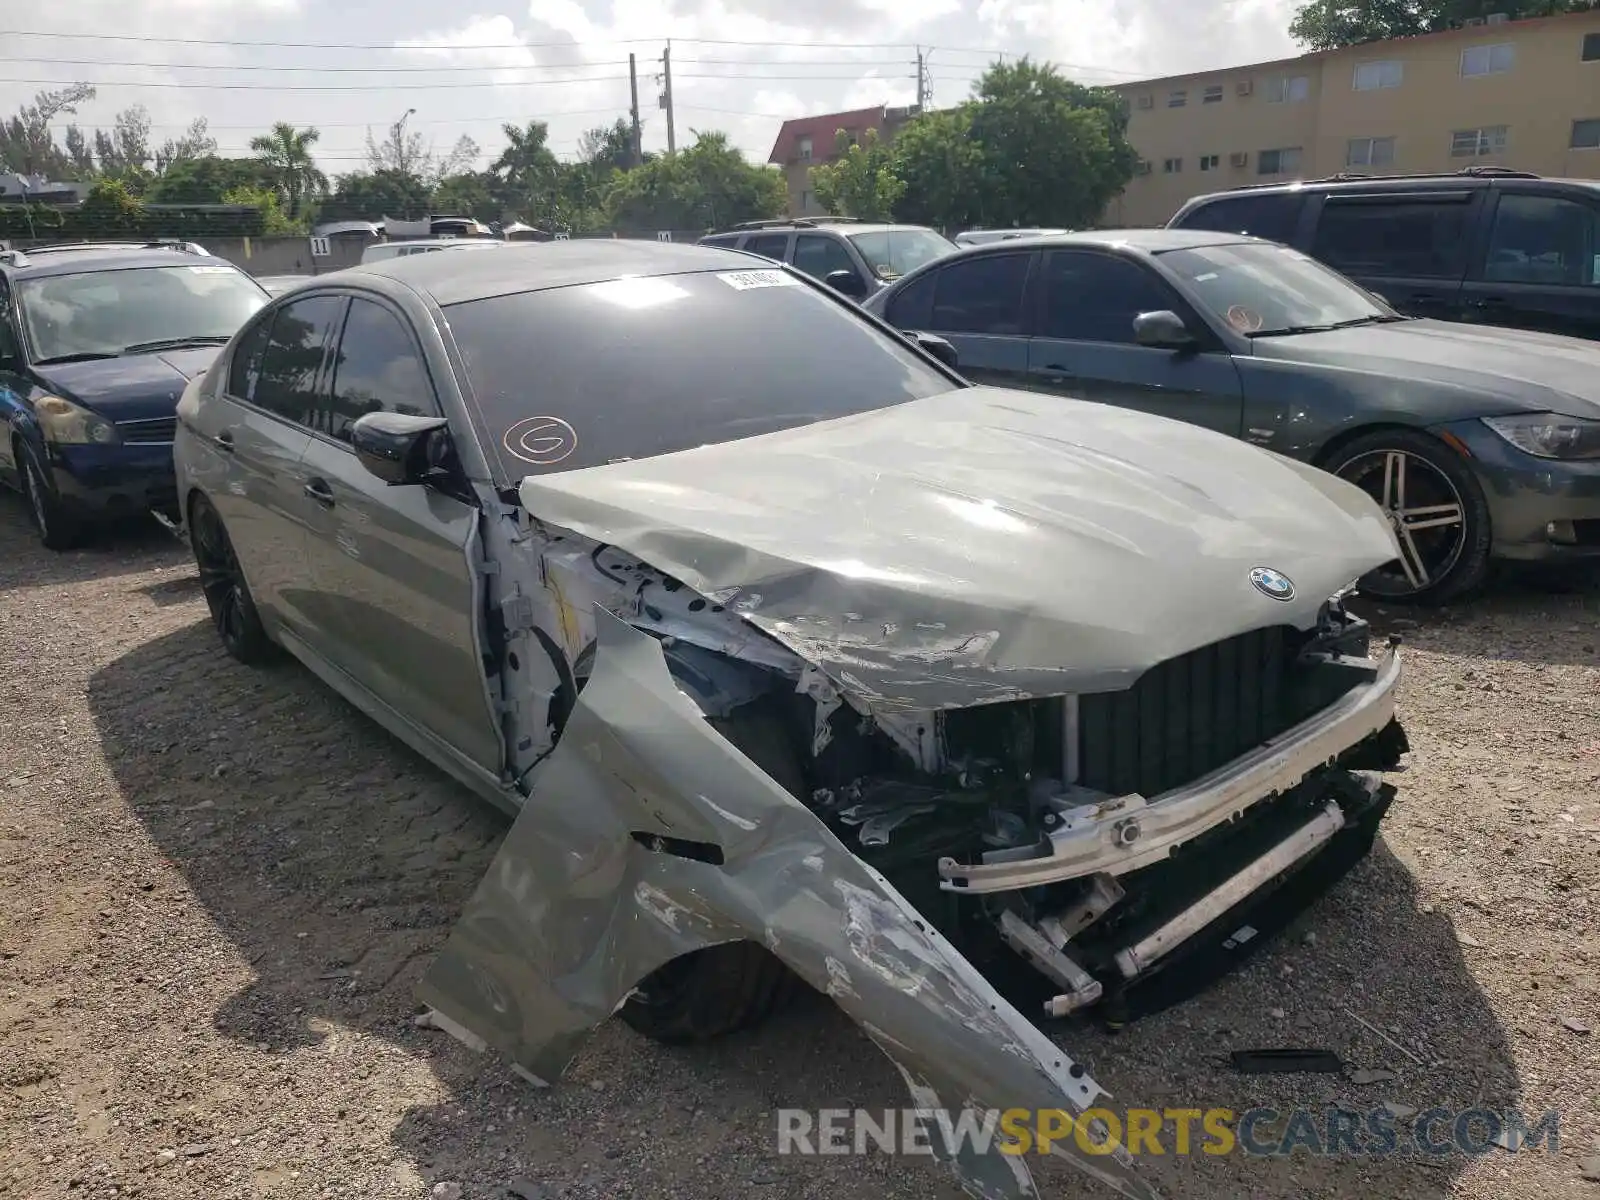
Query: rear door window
[(1422, 238), (286, 382), (1272, 216), (769, 245), (981, 295), (1547, 240)]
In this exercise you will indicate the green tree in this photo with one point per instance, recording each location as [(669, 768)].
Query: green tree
[(273, 219), (1030, 148), (705, 186), (286, 154), (471, 194), (123, 151), (528, 174), (373, 195), (111, 210), (196, 142), (861, 181), (1331, 24), (26, 142), (207, 179)]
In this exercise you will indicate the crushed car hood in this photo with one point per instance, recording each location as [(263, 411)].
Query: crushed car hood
[(1536, 372), (983, 544)]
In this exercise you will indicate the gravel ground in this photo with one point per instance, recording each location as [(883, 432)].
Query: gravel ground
[(218, 888)]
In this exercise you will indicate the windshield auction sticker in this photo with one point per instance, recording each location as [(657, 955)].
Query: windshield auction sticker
[(745, 280)]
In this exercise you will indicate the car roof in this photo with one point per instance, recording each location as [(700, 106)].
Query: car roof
[(537, 266), (74, 261), (1141, 241), (819, 225), (1393, 183)]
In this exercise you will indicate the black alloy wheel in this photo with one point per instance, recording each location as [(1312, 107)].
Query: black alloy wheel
[(227, 595), (55, 528)]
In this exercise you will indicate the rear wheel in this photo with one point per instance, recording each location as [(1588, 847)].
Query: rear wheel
[(1435, 507), (56, 528), (227, 595), (738, 985)]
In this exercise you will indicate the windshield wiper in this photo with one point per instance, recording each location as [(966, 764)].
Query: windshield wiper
[(81, 356), (1287, 330), (177, 343)]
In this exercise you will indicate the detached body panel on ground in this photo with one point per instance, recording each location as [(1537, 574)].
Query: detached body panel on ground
[(836, 667)]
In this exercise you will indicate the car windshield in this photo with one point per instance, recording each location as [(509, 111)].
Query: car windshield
[(892, 253), (597, 373), (103, 313), (1261, 290)]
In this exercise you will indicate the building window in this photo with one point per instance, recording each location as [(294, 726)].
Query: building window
[(1288, 89), (1210, 162), (1591, 47), (1369, 152), (1586, 134), (1212, 95), (1371, 76), (804, 149), (1478, 143), (1488, 60), (1172, 166), (1284, 161), (1177, 99)]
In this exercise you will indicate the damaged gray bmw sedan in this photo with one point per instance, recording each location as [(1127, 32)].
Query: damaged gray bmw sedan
[(797, 658)]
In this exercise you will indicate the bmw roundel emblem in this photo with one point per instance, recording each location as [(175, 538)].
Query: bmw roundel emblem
[(1272, 584)]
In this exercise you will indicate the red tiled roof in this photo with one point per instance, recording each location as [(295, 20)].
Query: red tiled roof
[(822, 130)]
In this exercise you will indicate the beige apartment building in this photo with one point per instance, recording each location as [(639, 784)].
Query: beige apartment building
[(807, 142), (1517, 94)]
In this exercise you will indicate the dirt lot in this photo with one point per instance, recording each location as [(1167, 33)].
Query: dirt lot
[(218, 888)]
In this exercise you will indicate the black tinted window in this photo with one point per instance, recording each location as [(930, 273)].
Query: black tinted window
[(1095, 297), (286, 382), (981, 295), (770, 245), (912, 307), (727, 241), (1269, 216), (818, 256), (580, 376), (379, 369), (1543, 239), (1422, 239)]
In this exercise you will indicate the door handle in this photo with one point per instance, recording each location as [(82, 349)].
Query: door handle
[(224, 442), (1489, 302), (1426, 298), (319, 491), (1053, 371)]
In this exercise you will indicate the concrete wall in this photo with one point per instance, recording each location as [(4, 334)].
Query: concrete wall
[(285, 255), (1320, 116)]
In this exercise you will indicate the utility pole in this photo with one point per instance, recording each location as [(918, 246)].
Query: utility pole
[(636, 148), (666, 97), (924, 92)]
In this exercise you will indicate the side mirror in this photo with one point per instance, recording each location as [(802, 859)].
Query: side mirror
[(936, 346), (1163, 330), (395, 447), (846, 283)]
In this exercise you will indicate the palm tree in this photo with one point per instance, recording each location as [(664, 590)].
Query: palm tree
[(286, 155)]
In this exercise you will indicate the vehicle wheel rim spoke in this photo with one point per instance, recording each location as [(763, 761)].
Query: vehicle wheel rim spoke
[(1424, 511), (220, 580)]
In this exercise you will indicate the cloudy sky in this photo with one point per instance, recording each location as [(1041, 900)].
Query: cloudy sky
[(738, 65)]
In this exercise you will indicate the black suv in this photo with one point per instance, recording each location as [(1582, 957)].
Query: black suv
[(1485, 244), (853, 257), (97, 341)]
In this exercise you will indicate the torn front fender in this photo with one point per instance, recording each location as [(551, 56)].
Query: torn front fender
[(575, 912)]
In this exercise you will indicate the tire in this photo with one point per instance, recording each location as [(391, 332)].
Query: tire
[(735, 986), (1446, 539), (233, 611), (57, 528)]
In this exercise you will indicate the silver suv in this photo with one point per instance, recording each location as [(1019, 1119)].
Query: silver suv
[(855, 258)]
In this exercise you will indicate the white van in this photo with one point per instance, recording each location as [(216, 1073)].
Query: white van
[(382, 250)]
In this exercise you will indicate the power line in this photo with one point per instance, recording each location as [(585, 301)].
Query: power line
[(193, 85), (476, 67), (517, 45), (517, 119)]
